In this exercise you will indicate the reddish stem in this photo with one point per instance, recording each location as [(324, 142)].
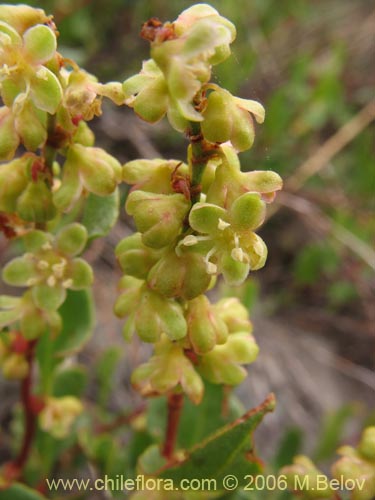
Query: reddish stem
[(29, 411), (120, 420), (175, 402)]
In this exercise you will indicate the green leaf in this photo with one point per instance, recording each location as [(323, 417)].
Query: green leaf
[(77, 314), (71, 382), (332, 432), (100, 214), (105, 371), (20, 492), (289, 446), (208, 416), (228, 451)]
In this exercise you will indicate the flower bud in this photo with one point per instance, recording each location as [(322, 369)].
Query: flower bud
[(15, 366), (352, 466), (367, 444), (159, 217), (8, 135), (149, 313), (189, 17), (13, 181), (154, 176), (35, 203), (234, 314), (88, 167), (59, 414), (100, 171), (230, 183), (181, 276), (131, 289), (227, 118), (34, 322), (167, 370), (30, 126), (147, 92), (135, 258), (310, 478), (21, 17), (222, 364), (156, 315), (205, 328)]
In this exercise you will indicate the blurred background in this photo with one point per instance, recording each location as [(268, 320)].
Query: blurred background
[(311, 64)]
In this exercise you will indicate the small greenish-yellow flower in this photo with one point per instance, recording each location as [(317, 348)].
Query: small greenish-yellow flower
[(167, 370), (13, 362), (83, 94), (234, 249), (234, 314), (86, 168), (15, 366), (180, 276), (59, 415), (31, 321), (310, 478), (148, 313), (147, 92), (159, 217), (230, 183), (208, 31), (366, 446), (154, 176), (24, 74), (50, 267), (22, 17), (135, 258), (358, 465), (180, 65), (228, 118), (23, 194), (205, 327), (9, 139), (223, 364), (13, 181)]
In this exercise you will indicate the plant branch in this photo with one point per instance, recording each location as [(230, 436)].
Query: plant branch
[(49, 150), (120, 420), (175, 402), (201, 153)]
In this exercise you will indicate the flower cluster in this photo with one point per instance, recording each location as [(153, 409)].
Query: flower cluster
[(182, 56), (355, 468), (49, 166), (196, 219), (47, 101)]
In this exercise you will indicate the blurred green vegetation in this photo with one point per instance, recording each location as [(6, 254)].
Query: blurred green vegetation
[(309, 63)]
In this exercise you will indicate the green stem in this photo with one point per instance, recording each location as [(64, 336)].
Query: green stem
[(200, 157), (29, 414), (49, 151)]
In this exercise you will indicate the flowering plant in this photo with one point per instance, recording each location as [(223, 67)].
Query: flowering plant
[(195, 219)]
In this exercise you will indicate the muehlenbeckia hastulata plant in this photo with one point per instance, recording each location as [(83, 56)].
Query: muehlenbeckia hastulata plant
[(196, 220)]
